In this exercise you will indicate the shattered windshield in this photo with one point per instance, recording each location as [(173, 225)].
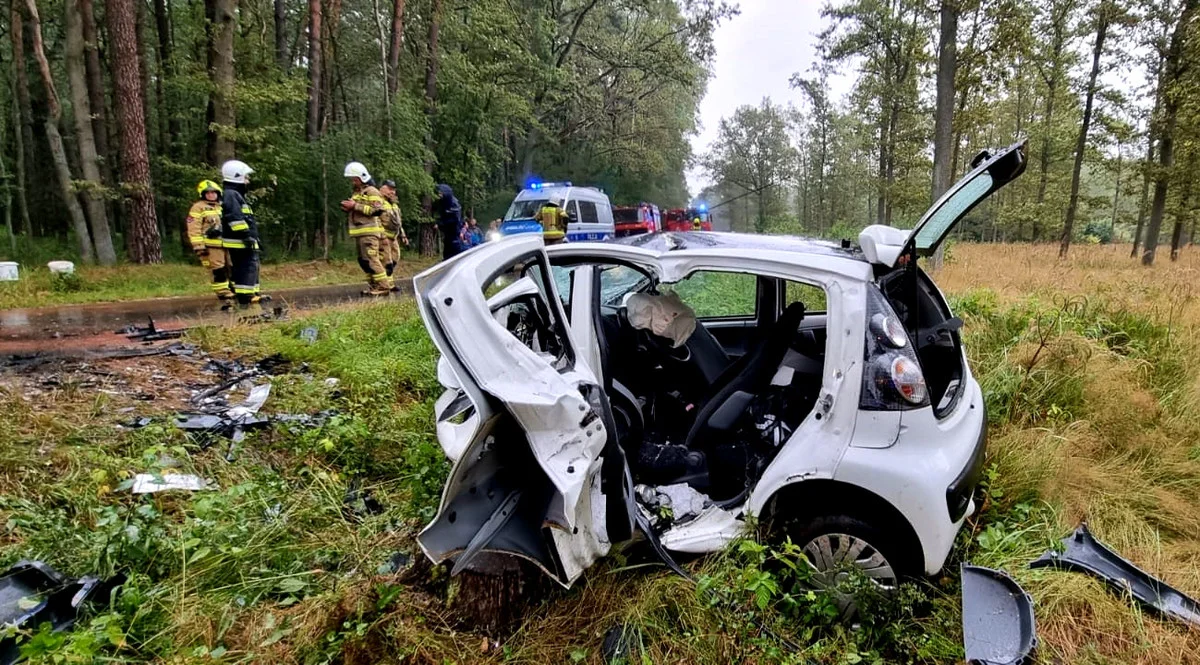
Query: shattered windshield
[(617, 281)]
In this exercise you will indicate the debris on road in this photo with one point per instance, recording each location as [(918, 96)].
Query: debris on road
[(1083, 553), (148, 483), (150, 332), (997, 618), (33, 593)]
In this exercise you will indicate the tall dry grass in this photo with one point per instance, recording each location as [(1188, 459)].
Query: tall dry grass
[(1103, 425)]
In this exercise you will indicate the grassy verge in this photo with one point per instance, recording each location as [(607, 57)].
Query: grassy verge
[(38, 287), (1093, 401)]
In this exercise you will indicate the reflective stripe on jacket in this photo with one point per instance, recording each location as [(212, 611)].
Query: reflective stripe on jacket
[(364, 216), (203, 216)]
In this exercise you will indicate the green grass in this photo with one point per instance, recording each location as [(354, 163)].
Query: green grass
[(1092, 411), (37, 287)]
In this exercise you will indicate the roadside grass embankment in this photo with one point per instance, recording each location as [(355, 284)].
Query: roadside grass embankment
[(1090, 375), (37, 287)]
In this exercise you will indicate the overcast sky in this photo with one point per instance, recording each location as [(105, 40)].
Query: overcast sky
[(757, 52)]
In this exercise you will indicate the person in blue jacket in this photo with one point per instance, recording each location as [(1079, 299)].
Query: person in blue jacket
[(448, 214)]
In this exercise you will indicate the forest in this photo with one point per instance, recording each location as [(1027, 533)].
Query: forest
[(1104, 91), (114, 110)]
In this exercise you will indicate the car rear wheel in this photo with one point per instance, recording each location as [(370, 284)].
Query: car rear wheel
[(841, 546)]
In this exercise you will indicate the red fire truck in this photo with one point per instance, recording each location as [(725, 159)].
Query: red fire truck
[(638, 219), (684, 219)]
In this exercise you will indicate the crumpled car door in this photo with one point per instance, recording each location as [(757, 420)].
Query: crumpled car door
[(530, 435)]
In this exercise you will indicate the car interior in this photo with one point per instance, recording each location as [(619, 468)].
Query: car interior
[(713, 411)]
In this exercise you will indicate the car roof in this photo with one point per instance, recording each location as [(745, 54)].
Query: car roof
[(677, 240)]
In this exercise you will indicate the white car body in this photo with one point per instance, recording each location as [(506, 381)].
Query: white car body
[(529, 423)]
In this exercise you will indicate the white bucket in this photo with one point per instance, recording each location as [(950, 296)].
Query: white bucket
[(61, 267), (8, 271)]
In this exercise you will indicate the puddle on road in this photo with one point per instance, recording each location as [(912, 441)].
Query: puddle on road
[(52, 323)]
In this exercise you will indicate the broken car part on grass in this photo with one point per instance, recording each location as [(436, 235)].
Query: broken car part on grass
[(1083, 553), (32, 594), (997, 618)]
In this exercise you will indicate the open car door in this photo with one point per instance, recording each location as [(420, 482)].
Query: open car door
[(524, 419), (990, 171)]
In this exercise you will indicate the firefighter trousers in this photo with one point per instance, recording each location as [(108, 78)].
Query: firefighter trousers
[(218, 264), (244, 273), (369, 261)]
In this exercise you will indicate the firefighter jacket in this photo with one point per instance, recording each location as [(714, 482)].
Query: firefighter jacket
[(204, 220), (391, 219), (239, 229), (365, 216), (554, 222)]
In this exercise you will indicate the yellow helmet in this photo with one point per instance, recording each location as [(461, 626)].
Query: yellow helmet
[(207, 186)]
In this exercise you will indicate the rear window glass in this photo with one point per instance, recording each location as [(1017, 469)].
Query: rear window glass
[(714, 294)]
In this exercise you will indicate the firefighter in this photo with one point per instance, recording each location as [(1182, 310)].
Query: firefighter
[(393, 228), (696, 224), (239, 234), (554, 222), (365, 211), (204, 233)]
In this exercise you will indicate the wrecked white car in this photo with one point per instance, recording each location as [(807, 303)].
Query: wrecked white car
[(674, 385)]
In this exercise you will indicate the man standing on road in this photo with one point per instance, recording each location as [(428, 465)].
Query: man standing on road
[(204, 233), (448, 214), (239, 233), (364, 209), (393, 227)]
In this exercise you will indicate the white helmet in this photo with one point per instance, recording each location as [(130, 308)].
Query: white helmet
[(235, 171), (357, 170)]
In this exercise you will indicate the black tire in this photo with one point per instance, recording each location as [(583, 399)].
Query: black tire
[(899, 555)]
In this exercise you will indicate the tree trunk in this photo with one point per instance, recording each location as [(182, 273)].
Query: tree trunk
[(1166, 147), (89, 160), (96, 97), (223, 119), (143, 242), (1081, 140), (943, 124), (282, 58), (1147, 167), (167, 59), (23, 128), (1112, 226), (1047, 121), (428, 229), (58, 153), (17, 65), (7, 201), (315, 84), (1183, 214), (383, 65), (397, 42), (882, 201)]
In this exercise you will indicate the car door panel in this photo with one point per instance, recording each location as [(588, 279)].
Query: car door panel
[(541, 471)]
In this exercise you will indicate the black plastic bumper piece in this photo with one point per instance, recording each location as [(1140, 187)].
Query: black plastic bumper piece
[(997, 617), (958, 494), (1084, 554), (32, 593)]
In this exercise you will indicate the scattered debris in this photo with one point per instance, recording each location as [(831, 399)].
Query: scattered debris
[(150, 332), (309, 334), (359, 503), (622, 644), (148, 483), (137, 423), (997, 618), (33, 593), (676, 503), (1084, 554), (397, 562), (332, 382)]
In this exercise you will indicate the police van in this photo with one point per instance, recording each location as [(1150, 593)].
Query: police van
[(588, 209)]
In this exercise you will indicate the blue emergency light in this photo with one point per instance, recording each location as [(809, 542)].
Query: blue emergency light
[(703, 207)]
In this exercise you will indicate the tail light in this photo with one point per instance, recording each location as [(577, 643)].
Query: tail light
[(892, 376)]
